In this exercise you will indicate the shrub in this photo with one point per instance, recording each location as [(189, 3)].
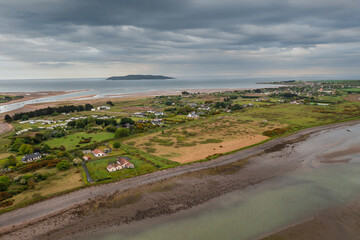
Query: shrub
[(122, 132), (26, 149), (62, 166), (4, 182), (116, 145)]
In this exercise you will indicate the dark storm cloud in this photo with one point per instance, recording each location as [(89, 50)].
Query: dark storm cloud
[(202, 32)]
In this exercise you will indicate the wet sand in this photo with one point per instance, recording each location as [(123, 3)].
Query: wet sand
[(160, 193), (92, 99), (33, 95)]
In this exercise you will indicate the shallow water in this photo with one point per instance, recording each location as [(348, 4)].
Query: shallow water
[(101, 87), (265, 207)]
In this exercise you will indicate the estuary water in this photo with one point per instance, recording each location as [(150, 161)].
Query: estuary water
[(268, 206), (100, 87)]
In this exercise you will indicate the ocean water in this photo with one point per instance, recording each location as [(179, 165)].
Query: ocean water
[(107, 87), (100, 87)]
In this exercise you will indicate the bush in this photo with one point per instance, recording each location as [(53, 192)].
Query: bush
[(62, 166), (116, 145), (26, 149), (37, 165), (8, 118), (126, 120), (111, 129), (4, 182), (122, 132)]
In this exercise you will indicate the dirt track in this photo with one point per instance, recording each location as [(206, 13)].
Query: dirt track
[(143, 197)]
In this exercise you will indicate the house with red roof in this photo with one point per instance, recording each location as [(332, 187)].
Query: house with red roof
[(98, 153)]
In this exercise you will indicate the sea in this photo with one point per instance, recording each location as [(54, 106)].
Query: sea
[(100, 87)]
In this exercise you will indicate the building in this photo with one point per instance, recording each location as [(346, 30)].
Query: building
[(98, 153), (31, 157), (192, 115), (111, 167), (124, 162), (121, 163), (103, 108), (87, 158)]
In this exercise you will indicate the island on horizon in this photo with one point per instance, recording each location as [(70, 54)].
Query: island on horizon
[(139, 77)]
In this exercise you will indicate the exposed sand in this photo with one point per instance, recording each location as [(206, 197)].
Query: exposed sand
[(95, 208), (92, 99), (33, 95)]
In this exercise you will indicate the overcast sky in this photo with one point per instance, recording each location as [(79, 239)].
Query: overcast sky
[(101, 38)]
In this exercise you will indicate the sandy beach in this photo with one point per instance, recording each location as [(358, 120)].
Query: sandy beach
[(160, 193), (33, 95), (92, 98)]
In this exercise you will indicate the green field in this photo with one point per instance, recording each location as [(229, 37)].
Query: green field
[(149, 163), (98, 170), (306, 115), (70, 141)]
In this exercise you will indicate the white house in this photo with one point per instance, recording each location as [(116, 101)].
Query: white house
[(192, 115), (98, 153), (103, 108)]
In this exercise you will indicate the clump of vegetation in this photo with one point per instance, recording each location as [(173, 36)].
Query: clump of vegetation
[(276, 132), (122, 132), (63, 165)]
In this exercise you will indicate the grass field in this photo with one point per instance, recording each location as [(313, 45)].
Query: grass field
[(98, 170), (58, 182), (70, 141), (303, 116), (147, 164), (199, 139)]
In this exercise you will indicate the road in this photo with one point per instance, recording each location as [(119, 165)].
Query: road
[(58, 204)]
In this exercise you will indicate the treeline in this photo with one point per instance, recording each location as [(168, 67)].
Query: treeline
[(48, 111)]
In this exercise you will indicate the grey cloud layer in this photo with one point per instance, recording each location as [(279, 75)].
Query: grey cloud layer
[(203, 33)]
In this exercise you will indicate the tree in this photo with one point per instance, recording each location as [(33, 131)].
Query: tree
[(88, 107), (111, 129), (110, 103), (8, 118), (80, 124), (116, 145), (45, 148), (126, 120), (26, 149), (4, 182), (24, 118), (62, 166), (122, 132), (10, 161)]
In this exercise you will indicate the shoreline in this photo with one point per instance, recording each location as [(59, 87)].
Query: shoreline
[(35, 95), (42, 216), (94, 98)]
